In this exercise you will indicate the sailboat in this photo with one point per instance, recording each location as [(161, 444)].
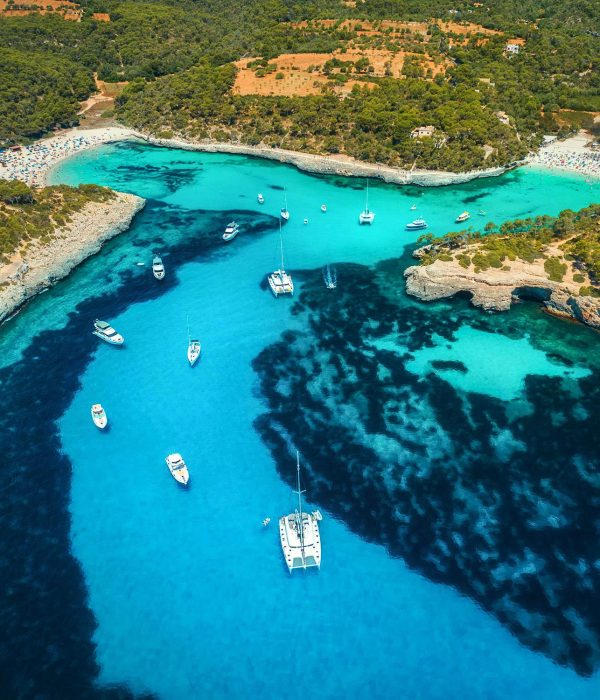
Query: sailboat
[(194, 347), (285, 214), (279, 281), (366, 216), (299, 534)]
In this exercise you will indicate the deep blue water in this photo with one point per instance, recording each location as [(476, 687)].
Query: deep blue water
[(453, 454)]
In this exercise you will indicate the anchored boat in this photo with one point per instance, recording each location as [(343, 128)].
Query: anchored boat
[(260, 198), (366, 216), (158, 269), (280, 281), (99, 416), (416, 225), (299, 534), (178, 468), (106, 332), (231, 231), (463, 217)]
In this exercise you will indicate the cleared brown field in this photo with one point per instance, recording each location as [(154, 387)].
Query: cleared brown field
[(303, 73), (68, 10), (391, 27)]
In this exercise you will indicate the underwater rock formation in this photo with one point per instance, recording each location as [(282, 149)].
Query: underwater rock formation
[(500, 499)]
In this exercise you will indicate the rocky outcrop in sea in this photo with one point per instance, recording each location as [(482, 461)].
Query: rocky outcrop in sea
[(496, 289), (42, 264)]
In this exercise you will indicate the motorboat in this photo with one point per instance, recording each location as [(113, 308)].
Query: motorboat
[(323, 208), (330, 277), (99, 416), (305, 221), (414, 206), (158, 269), (299, 534), (260, 198), (462, 217), (178, 468), (416, 225), (106, 332), (279, 280), (366, 216), (231, 231)]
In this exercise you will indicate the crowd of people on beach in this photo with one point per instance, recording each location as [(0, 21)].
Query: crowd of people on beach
[(31, 163), (585, 162)]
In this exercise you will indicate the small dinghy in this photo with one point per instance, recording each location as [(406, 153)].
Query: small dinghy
[(178, 468), (323, 208), (305, 221), (158, 269), (260, 198), (414, 206), (99, 416), (266, 521)]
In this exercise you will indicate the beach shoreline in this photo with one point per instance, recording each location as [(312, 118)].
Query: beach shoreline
[(39, 266), (34, 164)]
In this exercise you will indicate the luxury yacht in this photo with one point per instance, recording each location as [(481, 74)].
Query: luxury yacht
[(178, 468), (106, 332), (158, 269), (299, 535), (260, 198), (231, 231), (462, 217), (99, 416), (366, 216), (416, 225)]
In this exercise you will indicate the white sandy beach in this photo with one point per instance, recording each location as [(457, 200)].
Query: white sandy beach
[(573, 155)]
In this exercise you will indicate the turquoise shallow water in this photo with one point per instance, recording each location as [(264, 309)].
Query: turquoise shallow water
[(190, 593)]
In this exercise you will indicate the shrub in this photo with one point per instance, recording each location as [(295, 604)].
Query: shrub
[(555, 269)]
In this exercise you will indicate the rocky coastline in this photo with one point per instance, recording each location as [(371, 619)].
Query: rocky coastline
[(496, 289), (41, 265), (344, 166)]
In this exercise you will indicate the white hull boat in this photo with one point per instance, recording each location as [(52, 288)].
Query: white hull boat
[(416, 225), (366, 216), (231, 231), (280, 281), (260, 199), (299, 535), (193, 351), (462, 217), (323, 208), (158, 269), (107, 333), (99, 416), (178, 468), (330, 277)]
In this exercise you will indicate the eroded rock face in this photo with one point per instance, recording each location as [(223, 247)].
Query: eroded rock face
[(498, 498), (495, 289), (43, 264)]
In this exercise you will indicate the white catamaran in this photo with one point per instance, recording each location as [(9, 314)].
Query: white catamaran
[(280, 281), (366, 216), (299, 534)]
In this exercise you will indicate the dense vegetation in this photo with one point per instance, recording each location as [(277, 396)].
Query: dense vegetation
[(47, 65), (370, 124), (34, 213), (575, 236)]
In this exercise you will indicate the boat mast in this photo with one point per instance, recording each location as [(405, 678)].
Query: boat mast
[(299, 521), (281, 246), (188, 326), (367, 202)]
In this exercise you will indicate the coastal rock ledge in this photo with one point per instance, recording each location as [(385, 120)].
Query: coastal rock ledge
[(41, 265), (495, 289)]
